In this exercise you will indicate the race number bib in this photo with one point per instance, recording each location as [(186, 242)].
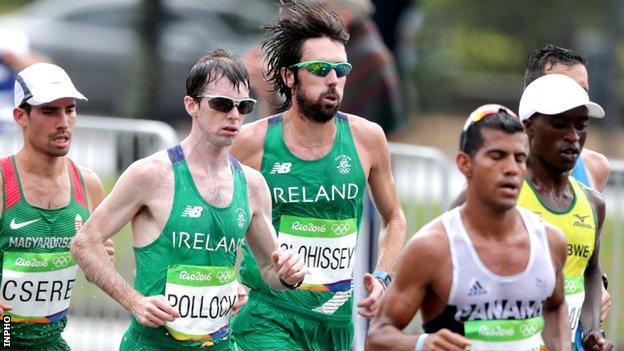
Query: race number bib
[(38, 285), (574, 289), (204, 297), (517, 335), (327, 246)]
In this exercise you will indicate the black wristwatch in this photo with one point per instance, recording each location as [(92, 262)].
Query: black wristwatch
[(383, 277), (605, 281), (290, 286)]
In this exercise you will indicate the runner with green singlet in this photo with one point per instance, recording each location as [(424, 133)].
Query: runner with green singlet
[(317, 162), (191, 208), (45, 200)]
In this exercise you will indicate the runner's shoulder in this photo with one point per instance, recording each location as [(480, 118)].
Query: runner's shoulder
[(430, 242), (149, 171), (556, 239)]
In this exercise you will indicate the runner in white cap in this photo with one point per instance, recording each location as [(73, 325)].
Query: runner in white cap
[(45, 200), (555, 111)]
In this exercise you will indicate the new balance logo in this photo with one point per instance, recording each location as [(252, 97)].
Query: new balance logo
[(281, 168), (477, 289), (192, 211)]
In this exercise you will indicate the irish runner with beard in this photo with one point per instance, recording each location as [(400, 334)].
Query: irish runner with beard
[(317, 162)]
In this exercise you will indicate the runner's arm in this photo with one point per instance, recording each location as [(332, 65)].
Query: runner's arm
[(275, 264), (590, 312), (109, 217), (381, 181), (95, 195), (417, 268), (556, 332)]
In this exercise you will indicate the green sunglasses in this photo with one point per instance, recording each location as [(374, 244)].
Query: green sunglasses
[(322, 68)]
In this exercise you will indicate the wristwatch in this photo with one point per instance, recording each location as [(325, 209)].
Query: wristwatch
[(383, 277), (291, 286)]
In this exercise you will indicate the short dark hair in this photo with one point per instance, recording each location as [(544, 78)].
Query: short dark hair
[(549, 55), (471, 139), (26, 107), (298, 20), (213, 66)]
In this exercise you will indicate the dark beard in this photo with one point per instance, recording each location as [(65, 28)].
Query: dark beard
[(316, 111)]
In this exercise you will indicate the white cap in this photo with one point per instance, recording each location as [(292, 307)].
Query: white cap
[(553, 94), (42, 83)]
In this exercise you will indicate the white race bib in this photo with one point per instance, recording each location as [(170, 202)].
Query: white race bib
[(38, 285), (204, 297), (327, 246), (574, 289)]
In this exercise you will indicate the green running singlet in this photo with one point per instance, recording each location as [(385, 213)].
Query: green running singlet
[(317, 210), (38, 271), (192, 263)]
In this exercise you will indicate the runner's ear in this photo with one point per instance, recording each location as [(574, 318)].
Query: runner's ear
[(464, 164)]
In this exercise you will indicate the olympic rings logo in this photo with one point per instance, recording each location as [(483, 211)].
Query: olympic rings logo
[(528, 329), (340, 229), (569, 286), (61, 261), (224, 276)]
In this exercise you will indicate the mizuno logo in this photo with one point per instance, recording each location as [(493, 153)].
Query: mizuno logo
[(477, 289), (192, 211), (581, 218), (281, 168), (16, 226)]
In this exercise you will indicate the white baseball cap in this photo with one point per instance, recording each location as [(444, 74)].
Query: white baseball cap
[(553, 94), (42, 83)]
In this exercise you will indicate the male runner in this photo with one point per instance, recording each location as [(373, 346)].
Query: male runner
[(191, 207), (317, 162), (487, 275), (555, 111), (592, 169), (45, 199)]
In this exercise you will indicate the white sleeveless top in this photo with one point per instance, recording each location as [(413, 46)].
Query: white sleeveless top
[(498, 312)]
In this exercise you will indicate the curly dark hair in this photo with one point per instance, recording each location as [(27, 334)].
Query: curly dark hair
[(549, 55), (298, 20)]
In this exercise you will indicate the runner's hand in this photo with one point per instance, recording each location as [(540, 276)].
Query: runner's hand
[(445, 340), (154, 311), (596, 342), (242, 298), (606, 304), (4, 307), (289, 266), (110, 250), (369, 306)]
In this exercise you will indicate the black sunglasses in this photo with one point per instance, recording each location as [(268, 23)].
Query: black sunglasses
[(226, 104)]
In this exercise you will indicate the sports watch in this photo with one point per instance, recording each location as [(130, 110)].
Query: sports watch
[(383, 277)]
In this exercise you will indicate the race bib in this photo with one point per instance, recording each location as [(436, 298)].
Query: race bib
[(517, 335), (327, 246), (204, 297), (38, 285), (574, 289)]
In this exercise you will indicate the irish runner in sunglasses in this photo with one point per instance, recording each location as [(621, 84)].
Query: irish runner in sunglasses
[(191, 208), (317, 162)]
